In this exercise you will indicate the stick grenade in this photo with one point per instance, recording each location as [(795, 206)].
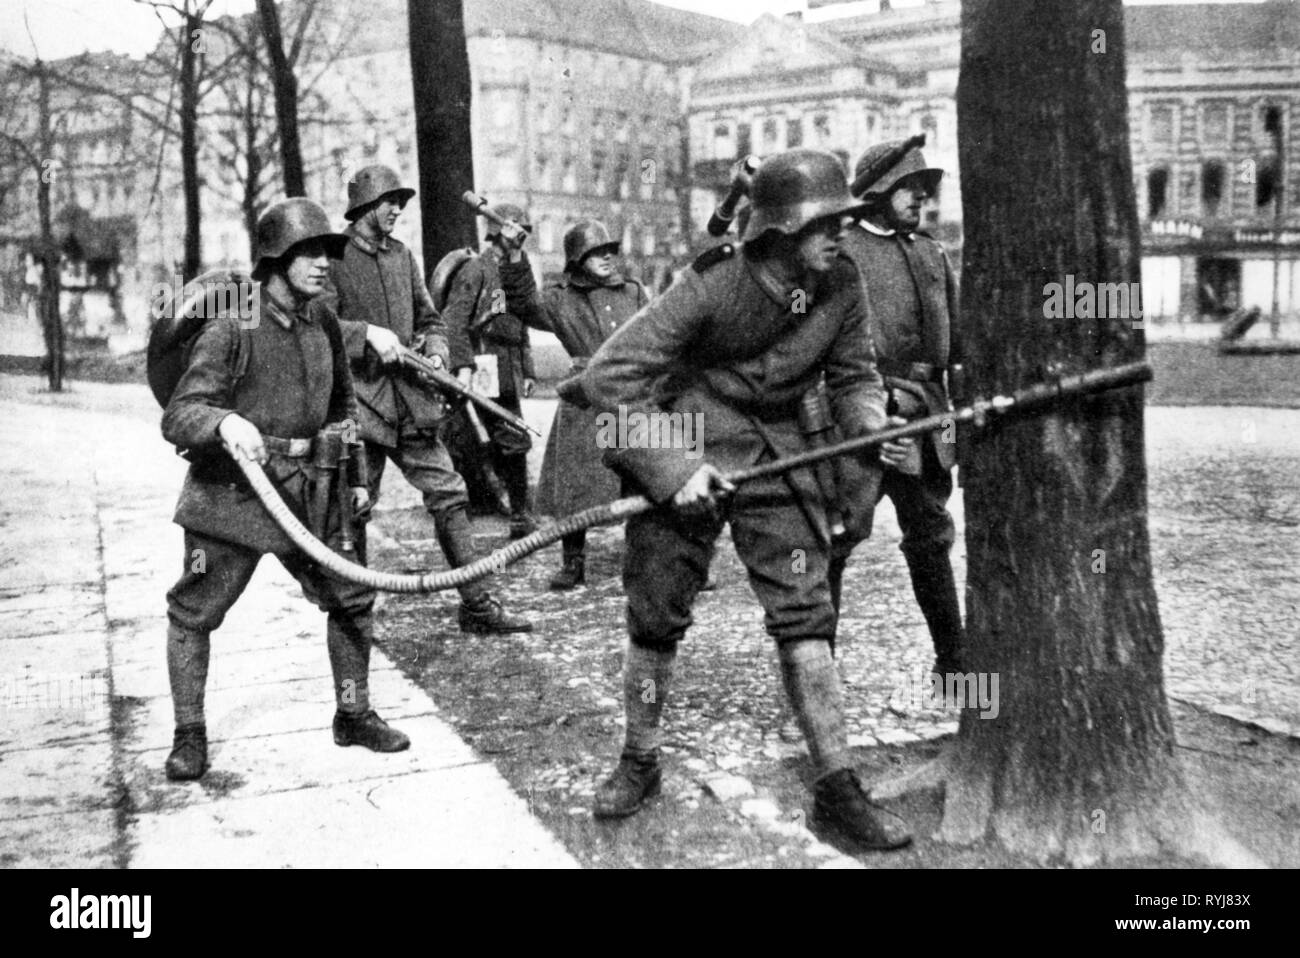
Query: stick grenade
[(725, 212), (480, 206)]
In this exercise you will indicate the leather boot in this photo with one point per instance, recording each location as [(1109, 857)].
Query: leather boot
[(842, 810), (486, 616), (636, 779), (189, 757), (935, 589), (369, 730), (514, 470), (573, 573)]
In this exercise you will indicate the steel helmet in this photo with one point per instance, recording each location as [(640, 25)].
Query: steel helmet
[(508, 211), (585, 238), (371, 184), (793, 188), (289, 223), (912, 164)]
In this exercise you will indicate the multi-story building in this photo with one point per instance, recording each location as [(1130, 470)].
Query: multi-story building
[(1213, 91), (577, 111)]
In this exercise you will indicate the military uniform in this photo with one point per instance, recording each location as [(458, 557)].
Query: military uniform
[(735, 346), (724, 343), (296, 381), (483, 308), (582, 315), (379, 284), (913, 297)]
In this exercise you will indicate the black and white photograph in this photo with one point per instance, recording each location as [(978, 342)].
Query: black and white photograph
[(651, 434)]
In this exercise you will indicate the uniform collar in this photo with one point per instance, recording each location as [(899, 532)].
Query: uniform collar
[(780, 289), (580, 280), (881, 231), (285, 313), (364, 244)]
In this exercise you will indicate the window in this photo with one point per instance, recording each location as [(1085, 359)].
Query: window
[(1162, 123), (743, 141), (1266, 182), (569, 175), (793, 133), (771, 135), (871, 125), (724, 147), (598, 184), (648, 241), (1214, 124), (821, 129), (1157, 191), (620, 188), (1212, 180), (542, 172), (930, 127), (1272, 119)]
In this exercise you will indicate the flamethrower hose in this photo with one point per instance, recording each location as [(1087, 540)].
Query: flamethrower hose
[(620, 509)]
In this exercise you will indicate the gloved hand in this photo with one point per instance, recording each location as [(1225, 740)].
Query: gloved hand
[(361, 504)]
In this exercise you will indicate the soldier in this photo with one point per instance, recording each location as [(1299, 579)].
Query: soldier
[(487, 296), (267, 406), (913, 300), (738, 340), (582, 310), (383, 305)]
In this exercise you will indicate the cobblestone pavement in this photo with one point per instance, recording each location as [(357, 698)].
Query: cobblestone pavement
[(1226, 538)]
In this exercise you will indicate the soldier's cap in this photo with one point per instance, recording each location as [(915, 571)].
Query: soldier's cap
[(369, 185), (289, 222), (795, 188), (911, 165)]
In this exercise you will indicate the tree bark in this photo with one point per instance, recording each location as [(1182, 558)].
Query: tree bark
[(51, 320), (189, 83), (285, 83), (441, 79), (1078, 765)]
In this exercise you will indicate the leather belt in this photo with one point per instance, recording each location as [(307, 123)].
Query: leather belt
[(292, 448), (914, 372)]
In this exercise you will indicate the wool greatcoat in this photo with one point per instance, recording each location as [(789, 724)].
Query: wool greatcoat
[(582, 315), (728, 342), (381, 285)]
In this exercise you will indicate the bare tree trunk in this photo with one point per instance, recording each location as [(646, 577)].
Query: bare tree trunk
[(1078, 764), (189, 83), (253, 180), (286, 99), (441, 79), (51, 320)]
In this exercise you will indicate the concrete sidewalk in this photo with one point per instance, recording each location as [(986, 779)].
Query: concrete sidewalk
[(87, 553)]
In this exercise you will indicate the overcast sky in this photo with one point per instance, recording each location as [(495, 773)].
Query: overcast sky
[(66, 27)]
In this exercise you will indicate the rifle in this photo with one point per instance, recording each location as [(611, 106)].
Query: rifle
[(448, 383)]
